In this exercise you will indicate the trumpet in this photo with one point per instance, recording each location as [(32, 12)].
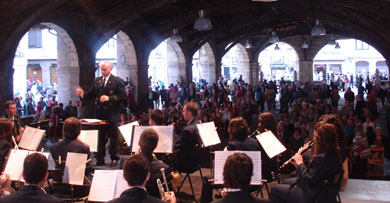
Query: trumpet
[(161, 187)]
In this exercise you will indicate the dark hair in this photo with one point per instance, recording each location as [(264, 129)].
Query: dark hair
[(238, 171), (157, 116), (5, 129), (7, 103), (136, 169), (325, 138), (35, 168), (192, 107), (148, 141), (268, 122), (238, 129), (72, 128)]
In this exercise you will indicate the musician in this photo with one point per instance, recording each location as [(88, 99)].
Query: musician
[(267, 121), (71, 130), (336, 122), (156, 117), (10, 113), (5, 140), (188, 140), (136, 172), (35, 174), (237, 174), (108, 91), (238, 140), (325, 163)]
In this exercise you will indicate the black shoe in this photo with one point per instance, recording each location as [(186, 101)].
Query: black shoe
[(114, 163)]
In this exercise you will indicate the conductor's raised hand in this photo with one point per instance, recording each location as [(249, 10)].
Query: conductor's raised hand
[(79, 92)]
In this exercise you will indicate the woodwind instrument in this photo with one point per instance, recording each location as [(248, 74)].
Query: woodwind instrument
[(300, 151), (161, 187)]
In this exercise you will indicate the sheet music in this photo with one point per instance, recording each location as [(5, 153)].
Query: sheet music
[(46, 154), (75, 168), (90, 137), (91, 120), (208, 134), (127, 131), (121, 184), (220, 159), (270, 144), (14, 167), (165, 138), (31, 138), (103, 186)]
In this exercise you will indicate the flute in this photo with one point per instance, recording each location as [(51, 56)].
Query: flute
[(300, 151)]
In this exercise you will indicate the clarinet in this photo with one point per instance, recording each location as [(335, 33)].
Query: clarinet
[(300, 151), (256, 132)]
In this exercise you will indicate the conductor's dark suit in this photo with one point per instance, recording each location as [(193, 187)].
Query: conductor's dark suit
[(109, 111), (30, 194), (135, 195), (185, 148), (62, 148)]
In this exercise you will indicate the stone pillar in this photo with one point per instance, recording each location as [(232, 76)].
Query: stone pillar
[(254, 69), (306, 71), (45, 73), (142, 84), (67, 70), (188, 70)]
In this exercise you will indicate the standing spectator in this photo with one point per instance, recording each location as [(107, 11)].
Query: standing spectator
[(349, 95), (70, 111)]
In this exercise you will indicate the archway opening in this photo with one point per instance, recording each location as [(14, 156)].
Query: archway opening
[(203, 65), (235, 63)]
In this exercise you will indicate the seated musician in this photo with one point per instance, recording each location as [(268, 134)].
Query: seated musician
[(148, 142), (35, 174), (136, 172), (5, 140), (11, 114), (71, 130), (325, 163), (237, 174), (238, 140)]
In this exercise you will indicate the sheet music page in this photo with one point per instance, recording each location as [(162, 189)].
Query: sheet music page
[(208, 134), (270, 144), (165, 138), (91, 120), (31, 138), (75, 168), (121, 184), (14, 167), (127, 131), (103, 186), (220, 159), (89, 137)]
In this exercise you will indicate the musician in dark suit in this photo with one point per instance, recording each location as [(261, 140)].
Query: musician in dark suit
[(10, 113), (188, 141), (136, 172), (325, 164), (238, 140), (35, 173), (5, 139), (71, 130), (237, 174), (108, 92)]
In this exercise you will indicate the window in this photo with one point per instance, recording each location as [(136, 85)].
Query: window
[(360, 45), (35, 38)]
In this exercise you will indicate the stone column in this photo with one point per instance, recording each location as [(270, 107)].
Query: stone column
[(188, 70), (306, 71), (254, 69)]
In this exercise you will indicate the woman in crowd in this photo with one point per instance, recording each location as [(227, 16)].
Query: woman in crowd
[(324, 164)]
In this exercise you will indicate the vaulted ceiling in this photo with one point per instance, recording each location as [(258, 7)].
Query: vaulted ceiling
[(233, 20)]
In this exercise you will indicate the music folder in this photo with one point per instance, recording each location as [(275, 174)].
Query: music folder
[(165, 138), (107, 185), (75, 168), (208, 134), (127, 131), (271, 145), (31, 138), (14, 166), (220, 159)]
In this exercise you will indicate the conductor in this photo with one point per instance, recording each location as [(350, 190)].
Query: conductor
[(108, 92)]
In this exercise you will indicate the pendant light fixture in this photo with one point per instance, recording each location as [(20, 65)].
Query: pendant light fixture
[(273, 38), (318, 30), (248, 44), (337, 46), (175, 36), (305, 45), (276, 47), (202, 23)]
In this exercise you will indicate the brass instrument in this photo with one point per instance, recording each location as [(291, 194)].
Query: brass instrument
[(160, 185), (300, 151)]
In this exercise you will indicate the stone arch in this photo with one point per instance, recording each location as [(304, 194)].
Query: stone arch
[(206, 63), (67, 65), (127, 60), (242, 62), (275, 64)]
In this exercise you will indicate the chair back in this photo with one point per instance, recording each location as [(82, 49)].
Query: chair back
[(330, 188)]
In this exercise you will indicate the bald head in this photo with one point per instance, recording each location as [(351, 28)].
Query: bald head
[(105, 68)]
